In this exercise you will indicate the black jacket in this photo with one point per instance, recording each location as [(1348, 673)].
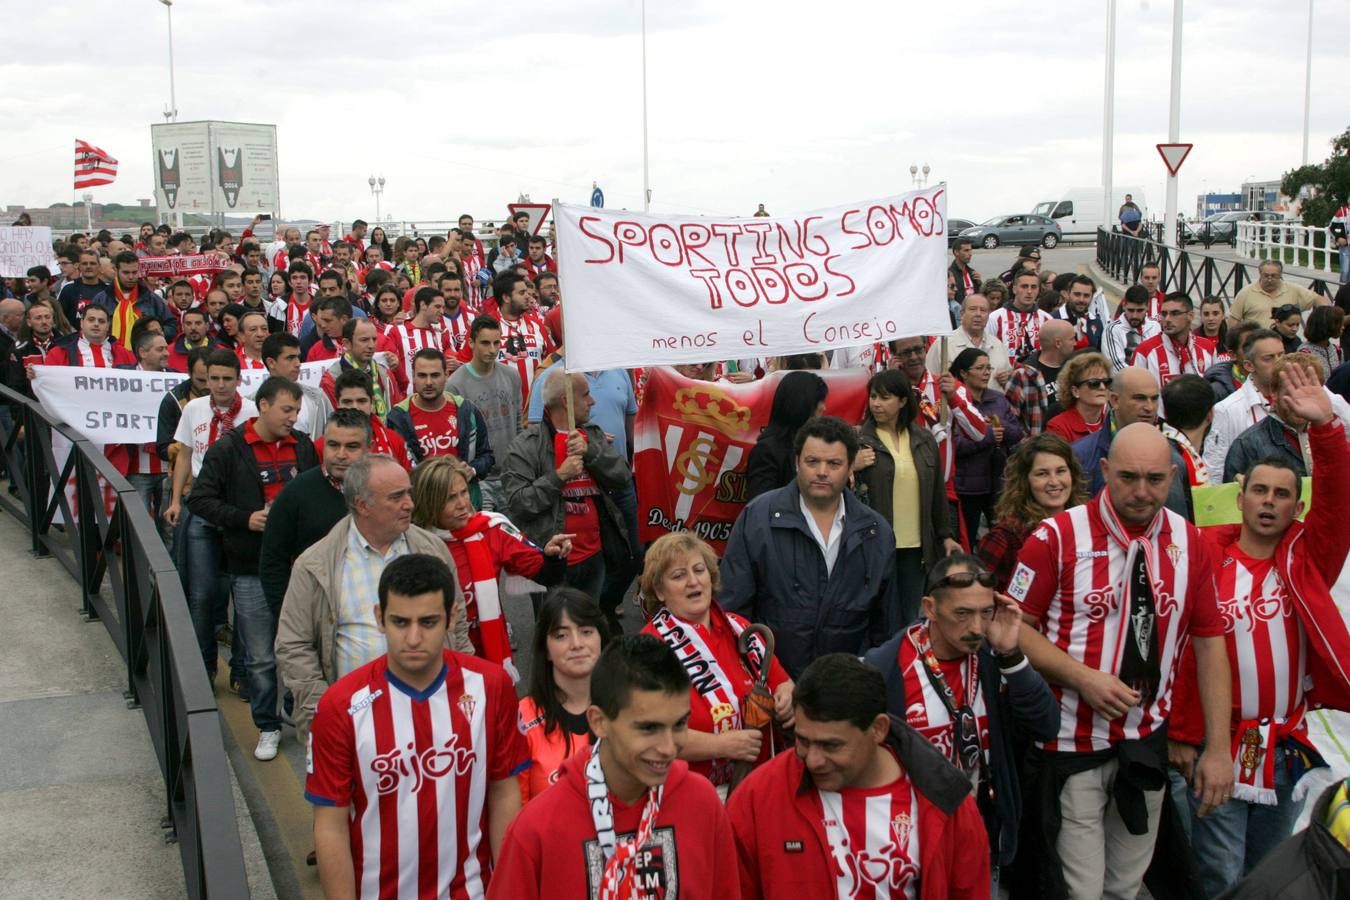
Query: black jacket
[(170, 414), (1022, 709), (1311, 865), (770, 465), (228, 491), (301, 515), (1264, 440), (774, 572)]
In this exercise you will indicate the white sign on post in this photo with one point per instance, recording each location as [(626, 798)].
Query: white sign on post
[(22, 247), (657, 290)]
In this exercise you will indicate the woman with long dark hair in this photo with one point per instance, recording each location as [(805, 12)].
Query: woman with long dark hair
[(798, 397), (1042, 478), (898, 473), (569, 633), (378, 239)]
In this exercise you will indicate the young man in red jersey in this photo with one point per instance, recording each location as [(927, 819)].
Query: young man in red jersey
[(864, 809), (627, 820), (93, 346), (1177, 350), (423, 331), (435, 422), (1288, 644), (413, 757)]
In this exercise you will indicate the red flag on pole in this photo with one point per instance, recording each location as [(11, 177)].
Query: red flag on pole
[(93, 166)]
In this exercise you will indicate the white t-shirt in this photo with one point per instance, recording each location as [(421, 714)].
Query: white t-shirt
[(194, 428)]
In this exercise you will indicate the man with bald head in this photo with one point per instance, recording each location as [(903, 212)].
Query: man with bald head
[(1133, 398), (1111, 591), (1033, 387)]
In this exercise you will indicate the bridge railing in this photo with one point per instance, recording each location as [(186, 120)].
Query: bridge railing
[(79, 510), (1193, 272)]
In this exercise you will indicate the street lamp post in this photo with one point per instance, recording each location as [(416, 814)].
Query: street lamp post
[(170, 114), (89, 213), (376, 188), (1307, 84), (915, 178)]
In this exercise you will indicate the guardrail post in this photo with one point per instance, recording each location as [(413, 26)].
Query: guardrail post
[(37, 482), (86, 532)]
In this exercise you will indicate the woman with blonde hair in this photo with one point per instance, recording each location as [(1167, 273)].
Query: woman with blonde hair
[(1041, 479), (483, 545), (1084, 383), (679, 582)]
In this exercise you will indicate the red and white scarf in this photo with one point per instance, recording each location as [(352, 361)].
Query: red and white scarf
[(482, 576), (1189, 357), (618, 881), (94, 355), (1254, 742), (1196, 469), (709, 680), (222, 420)]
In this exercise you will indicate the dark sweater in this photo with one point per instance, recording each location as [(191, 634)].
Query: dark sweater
[(305, 511), (228, 491)]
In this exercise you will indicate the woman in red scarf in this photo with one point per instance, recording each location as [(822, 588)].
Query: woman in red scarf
[(679, 580), (482, 546)]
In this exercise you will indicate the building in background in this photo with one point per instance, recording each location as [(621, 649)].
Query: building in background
[(1208, 204)]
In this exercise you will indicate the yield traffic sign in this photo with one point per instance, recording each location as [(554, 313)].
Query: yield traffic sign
[(1174, 155)]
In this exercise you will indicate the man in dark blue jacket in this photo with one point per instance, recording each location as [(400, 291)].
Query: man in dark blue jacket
[(978, 721), (811, 561), (129, 299)]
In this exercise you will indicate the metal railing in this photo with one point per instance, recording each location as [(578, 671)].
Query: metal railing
[(1196, 273), (1289, 242), (79, 510)]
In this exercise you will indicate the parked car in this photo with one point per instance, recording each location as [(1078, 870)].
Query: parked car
[(1019, 228), (954, 229), (1221, 228)]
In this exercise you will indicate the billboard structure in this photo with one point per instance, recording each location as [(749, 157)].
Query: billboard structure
[(215, 168)]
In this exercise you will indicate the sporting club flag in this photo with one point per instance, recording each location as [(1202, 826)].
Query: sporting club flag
[(93, 166), (693, 442)]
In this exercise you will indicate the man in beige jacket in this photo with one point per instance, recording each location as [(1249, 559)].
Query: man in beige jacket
[(327, 623)]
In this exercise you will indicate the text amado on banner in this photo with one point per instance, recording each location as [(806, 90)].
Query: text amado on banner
[(682, 289)]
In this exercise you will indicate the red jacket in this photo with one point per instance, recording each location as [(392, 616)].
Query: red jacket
[(67, 353), (548, 849), (1309, 559), (780, 836)]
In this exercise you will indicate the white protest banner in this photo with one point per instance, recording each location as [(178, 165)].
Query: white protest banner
[(645, 289), (22, 247), (311, 373), (106, 406)]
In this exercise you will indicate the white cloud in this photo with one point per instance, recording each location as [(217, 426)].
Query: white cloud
[(462, 106)]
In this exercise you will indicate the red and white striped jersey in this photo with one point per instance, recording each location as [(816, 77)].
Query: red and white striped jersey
[(470, 266), (99, 356), (456, 328), (245, 362), (925, 710), (525, 343), (414, 767), (873, 838), (1071, 576), (1266, 644), (961, 413), (1020, 332), (1167, 359), (296, 312), (408, 338), (382, 264)]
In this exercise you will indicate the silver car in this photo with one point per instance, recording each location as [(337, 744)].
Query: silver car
[(1019, 228)]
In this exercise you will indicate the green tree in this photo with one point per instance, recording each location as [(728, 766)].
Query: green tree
[(1330, 183)]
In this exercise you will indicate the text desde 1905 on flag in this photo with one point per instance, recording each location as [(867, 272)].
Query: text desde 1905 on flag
[(648, 289), (23, 247)]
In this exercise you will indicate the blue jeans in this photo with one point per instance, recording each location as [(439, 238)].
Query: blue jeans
[(207, 584), (151, 491), (1233, 839), (256, 626), (1345, 263)]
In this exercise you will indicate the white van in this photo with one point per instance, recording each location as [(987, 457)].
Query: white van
[(1079, 210)]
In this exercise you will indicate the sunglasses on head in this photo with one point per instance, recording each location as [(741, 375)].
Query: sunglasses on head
[(964, 580)]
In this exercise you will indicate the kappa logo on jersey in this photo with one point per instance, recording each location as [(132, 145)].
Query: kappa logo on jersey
[(656, 874), (405, 764), (1020, 584), (364, 702)]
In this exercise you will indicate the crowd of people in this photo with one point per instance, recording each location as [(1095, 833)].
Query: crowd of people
[(981, 640)]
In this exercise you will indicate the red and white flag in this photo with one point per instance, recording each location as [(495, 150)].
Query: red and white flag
[(93, 166)]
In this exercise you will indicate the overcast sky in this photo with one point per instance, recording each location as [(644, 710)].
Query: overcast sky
[(462, 106)]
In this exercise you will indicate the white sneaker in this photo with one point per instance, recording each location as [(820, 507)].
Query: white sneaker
[(267, 745)]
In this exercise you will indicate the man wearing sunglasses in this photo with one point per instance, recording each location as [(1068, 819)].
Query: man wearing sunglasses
[(1111, 591), (958, 677)]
